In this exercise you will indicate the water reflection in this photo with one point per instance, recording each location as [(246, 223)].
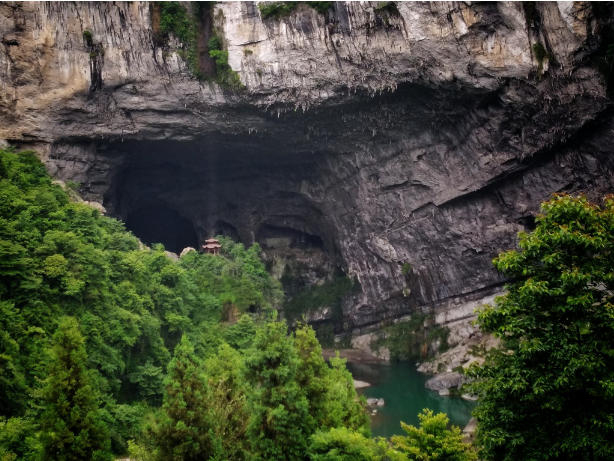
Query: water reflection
[(402, 388)]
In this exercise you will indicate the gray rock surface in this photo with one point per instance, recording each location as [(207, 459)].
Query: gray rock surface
[(374, 402), (469, 430), (185, 251), (360, 384), (445, 381), (427, 138), (463, 354)]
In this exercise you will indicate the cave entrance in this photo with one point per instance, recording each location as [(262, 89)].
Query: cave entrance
[(286, 237), (155, 223)]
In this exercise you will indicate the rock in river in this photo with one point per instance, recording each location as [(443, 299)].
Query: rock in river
[(375, 402), (444, 381), (361, 384)]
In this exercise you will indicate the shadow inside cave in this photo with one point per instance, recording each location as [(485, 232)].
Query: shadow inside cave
[(155, 223)]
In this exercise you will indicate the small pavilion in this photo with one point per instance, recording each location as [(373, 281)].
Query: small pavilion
[(212, 246)]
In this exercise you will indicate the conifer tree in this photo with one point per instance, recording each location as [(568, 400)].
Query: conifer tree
[(333, 400), (185, 432), (12, 382), (72, 429), (281, 424), (229, 391)]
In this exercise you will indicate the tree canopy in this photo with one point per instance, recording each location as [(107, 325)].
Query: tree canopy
[(548, 391), (72, 426), (433, 440), (60, 257)]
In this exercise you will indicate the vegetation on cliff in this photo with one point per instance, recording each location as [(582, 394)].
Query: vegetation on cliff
[(182, 21), (280, 9), (225, 76), (414, 338)]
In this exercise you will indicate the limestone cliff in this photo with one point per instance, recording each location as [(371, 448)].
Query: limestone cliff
[(421, 137)]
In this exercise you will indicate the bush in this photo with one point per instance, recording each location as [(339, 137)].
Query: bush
[(321, 7), (540, 52), (389, 8), (175, 19), (411, 339), (87, 36), (226, 77), (345, 445), (330, 294)]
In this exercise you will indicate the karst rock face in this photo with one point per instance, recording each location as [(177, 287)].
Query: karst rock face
[(406, 146)]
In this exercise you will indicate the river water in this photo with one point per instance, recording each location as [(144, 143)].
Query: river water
[(402, 388)]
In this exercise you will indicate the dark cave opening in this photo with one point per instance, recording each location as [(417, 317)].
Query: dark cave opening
[(227, 230), (155, 223), (179, 193), (287, 237)]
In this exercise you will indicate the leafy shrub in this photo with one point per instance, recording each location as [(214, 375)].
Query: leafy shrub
[(87, 36), (410, 339), (226, 77), (329, 294), (320, 7), (215, 43), (346, 445), (175, 19), (540, 52), (276, 9)]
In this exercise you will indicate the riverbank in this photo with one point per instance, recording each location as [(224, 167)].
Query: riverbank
[(353, 356)]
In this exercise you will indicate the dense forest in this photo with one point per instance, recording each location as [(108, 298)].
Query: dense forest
[(110, 348)]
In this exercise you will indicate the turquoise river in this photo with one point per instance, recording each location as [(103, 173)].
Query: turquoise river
[(402, 388)]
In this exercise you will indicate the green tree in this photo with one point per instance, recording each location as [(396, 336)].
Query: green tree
[(548, 391), (228, 403), (133, 304), (342, 444), (333, 401), (281, 424), (185, 432), (18, 440), (433, 440), (12, 381), (241, 334), (72, 428)]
